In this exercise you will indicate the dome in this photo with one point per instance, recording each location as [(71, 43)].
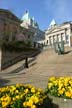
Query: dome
[(27, 20), (25, 16)]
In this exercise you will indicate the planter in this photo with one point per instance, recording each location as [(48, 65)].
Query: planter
[(61, 102)]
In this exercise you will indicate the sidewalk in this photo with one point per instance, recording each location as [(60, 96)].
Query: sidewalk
[(46, 64)]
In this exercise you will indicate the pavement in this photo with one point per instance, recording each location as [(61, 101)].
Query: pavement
[(46, 64)]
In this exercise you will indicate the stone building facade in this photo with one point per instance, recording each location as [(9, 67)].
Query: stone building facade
[(9, 25), (58, 33), (10, 30)]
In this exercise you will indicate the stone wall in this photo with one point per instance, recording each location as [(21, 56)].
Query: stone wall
[(0, 57), (10, 58)]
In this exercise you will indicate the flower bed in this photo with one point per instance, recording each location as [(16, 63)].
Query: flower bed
[(61, 87), (60, 91), (21, 96)]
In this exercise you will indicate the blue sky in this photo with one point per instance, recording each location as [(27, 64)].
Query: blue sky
[(43, 10)]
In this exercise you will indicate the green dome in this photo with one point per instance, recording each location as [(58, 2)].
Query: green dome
[(25, 16)]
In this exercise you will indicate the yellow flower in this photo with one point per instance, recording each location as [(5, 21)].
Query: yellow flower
[(68, 94), (16, 91), (14, 98), (35, 99), (50, 85), (24, 104), (21, 96), (26, 91), (6, 100), (34, 106), (28, 103), (38, 93), (13, 88), (4, 104), (33, 90), (17, 97), (60, 92)]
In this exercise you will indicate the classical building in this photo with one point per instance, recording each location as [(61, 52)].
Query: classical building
[(30, 23), (57, 33)]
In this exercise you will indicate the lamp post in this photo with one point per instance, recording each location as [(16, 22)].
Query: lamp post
[(26, 62)]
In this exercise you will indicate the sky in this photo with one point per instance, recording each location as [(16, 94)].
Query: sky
[(44, 11)]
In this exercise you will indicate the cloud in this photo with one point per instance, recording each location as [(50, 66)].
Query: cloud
[(59, 9)]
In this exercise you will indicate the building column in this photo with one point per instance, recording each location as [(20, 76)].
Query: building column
[(65, 37), (69, 41), (60, 37), (56, 38), (69, 37), (53, 39)]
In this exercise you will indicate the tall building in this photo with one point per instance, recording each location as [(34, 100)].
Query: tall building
[(57, 33)]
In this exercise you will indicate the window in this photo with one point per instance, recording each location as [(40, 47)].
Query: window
[(71, 30), (65, 29), (62, 36), (47, 41), (66, 37)]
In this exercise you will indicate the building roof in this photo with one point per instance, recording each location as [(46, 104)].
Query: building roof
[(53, 22)]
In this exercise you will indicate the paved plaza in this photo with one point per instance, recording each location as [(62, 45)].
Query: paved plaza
[(46, 64)]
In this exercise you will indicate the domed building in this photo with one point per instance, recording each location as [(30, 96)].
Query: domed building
[(30, 23)]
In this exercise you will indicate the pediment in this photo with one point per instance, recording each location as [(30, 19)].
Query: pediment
[(56, 29), (53, 30)]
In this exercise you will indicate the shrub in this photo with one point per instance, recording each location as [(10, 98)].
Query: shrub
[(17, 46)]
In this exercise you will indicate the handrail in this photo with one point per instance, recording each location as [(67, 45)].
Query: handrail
[(20, 57)]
